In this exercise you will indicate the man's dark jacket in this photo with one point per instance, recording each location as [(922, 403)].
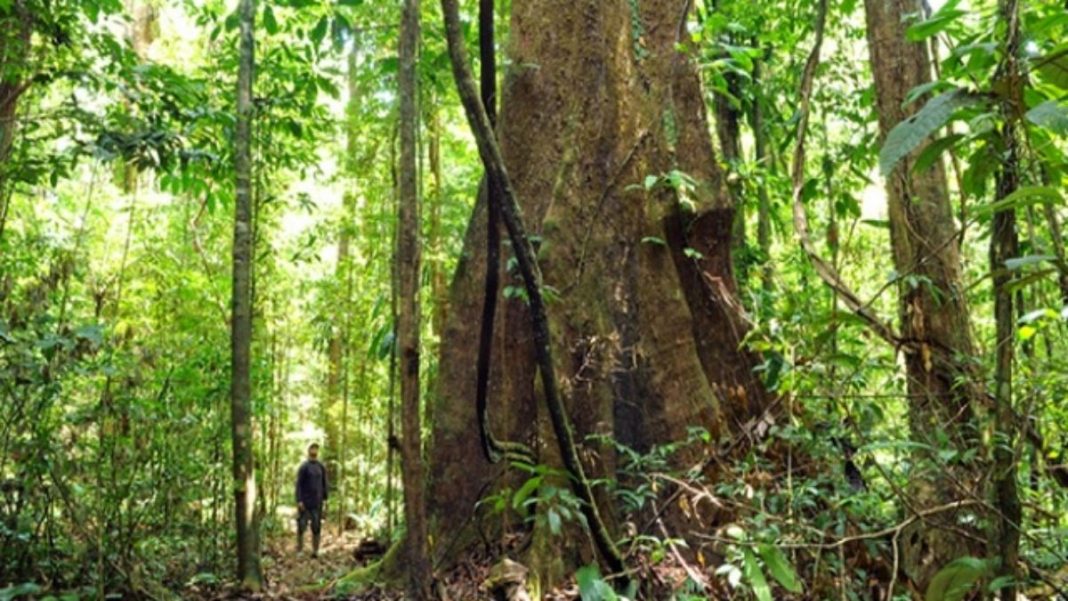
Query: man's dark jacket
[(311, 485)]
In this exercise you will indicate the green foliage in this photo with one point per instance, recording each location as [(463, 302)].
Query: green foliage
[(1052, 115), (114, 456), (592, 587), (755, 576), (912, 132), (956, 579), (946, 15)]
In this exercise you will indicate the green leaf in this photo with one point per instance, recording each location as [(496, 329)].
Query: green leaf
[(954, 581), (269, 22), (933, 151), (232, 21), (780, 568), (1025, 196), (352, 3), (1018, 263), (19, 590), (592, 587), (925, 89), (525, 491), (654, 240), (935, 25), (1054, 67), (554, 521), (910, 133), (91, 333), (756, 578), (999, 582), (1051, 115), (319, 32)]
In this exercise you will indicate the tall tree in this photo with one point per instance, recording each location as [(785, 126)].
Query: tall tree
[(644, 316), (248, 558), (1005, 245), (16, 23), (763, 160), (943, 386), (408, 260)]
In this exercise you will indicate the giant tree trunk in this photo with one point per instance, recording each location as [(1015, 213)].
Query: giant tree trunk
[(646, 335), (943, 386), (248, 559), (408, 285)]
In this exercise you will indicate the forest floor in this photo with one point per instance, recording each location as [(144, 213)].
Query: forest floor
[(299, 577)]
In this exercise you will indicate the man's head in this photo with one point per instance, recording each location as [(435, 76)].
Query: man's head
[(313, 450)]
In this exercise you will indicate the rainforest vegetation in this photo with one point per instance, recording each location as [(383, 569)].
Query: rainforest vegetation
[(579, 299)]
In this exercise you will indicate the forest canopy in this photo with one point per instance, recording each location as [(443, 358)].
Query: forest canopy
[(574, 299)]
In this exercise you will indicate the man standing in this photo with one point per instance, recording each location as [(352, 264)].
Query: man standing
[(311, 495)]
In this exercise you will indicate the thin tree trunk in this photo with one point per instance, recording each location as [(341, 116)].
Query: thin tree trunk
[(438, 288), (408, 317), (1004, 245), (248, 560), (943, 387), (728, 130), (760, 146), (346, 357), (14, 81), (391, 434)]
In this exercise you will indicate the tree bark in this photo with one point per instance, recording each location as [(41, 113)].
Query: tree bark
[(408, 315), (17, 26), (335, 346), (1005, 245), (248, 559), (944, 389), (438, 288), (763, 160), (728, 130), (646, 334)]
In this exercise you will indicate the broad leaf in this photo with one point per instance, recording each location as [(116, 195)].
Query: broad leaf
[(1018, 263), (933, 151), (935, 25), (1054, 67), (525, 491), (1051, 115), (1027, 195), (13, 592), (319, 32), (780, 568), (269, 22), (756, 577), (910, 133), (954, 581), (592, 587)]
